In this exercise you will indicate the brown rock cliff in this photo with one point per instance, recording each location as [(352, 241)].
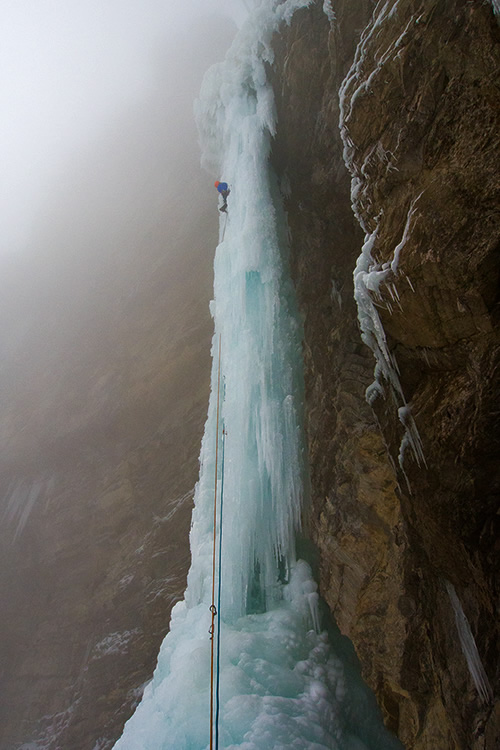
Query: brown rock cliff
[(421, 114)]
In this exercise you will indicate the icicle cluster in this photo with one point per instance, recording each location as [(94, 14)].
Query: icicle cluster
[(329, 12), (370, 277), (281, 685)]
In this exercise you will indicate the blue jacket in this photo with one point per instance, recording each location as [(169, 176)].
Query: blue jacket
[(222, 187)]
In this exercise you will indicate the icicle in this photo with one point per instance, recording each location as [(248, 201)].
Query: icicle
[(329, 12), (469, 648), (368, 279), (496, 8), (408, 281), (406, 232), (411, 437)]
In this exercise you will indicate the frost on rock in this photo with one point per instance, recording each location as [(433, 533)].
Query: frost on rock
[(355, 85), (370, 277), (281, 684), (329, 12), (51, 727), (114, 644)]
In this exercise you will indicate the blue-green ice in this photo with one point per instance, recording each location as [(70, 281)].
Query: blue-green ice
[(282, 684)]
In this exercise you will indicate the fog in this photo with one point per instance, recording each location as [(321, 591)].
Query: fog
[(102, 194), (68, 69), (108, 229)]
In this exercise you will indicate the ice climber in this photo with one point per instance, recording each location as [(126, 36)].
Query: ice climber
[(223, 189)]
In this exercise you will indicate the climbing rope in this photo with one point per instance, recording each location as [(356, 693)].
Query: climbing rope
[(213, 608), (224, 230), (217, 700)]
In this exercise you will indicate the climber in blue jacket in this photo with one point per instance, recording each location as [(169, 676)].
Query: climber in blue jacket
[(223, 189)]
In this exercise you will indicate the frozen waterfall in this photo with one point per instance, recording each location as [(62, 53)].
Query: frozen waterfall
[(284, 683)]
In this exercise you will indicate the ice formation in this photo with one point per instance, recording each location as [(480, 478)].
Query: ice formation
[(469, 648), (371, 277), (281, 683), (329, 12)]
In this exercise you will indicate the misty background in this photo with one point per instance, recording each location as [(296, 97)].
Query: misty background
[(107, 233), (101, 183), (68, 68)]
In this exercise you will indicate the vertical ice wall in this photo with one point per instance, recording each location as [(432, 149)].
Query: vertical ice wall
[(254, 316), (281, 685)]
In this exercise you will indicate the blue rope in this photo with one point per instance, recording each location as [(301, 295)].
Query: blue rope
[(217, 682)]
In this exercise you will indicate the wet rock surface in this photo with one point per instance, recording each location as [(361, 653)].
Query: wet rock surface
[(421, 116)]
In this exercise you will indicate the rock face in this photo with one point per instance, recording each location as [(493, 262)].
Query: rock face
[(101, 418), (420, 116)]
